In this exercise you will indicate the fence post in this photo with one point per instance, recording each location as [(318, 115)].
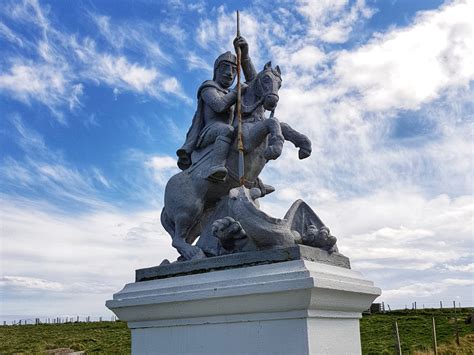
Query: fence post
[(435, 345), (456, 324), (441, 304), (398, 347), (77, 319)]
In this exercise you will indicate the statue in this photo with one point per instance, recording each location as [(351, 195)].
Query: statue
[(215, 196)]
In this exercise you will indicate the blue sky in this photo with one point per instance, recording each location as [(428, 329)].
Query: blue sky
[(95, 98)]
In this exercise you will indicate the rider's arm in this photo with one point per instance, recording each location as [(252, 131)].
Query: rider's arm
[(247, 66), (248, 69), (217, 101)]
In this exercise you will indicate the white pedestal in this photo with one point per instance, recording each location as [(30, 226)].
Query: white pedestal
[(294, 307)]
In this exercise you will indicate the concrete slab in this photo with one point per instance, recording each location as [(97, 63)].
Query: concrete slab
[(239, 260)]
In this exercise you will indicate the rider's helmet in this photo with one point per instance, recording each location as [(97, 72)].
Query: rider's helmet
[(224, 57)]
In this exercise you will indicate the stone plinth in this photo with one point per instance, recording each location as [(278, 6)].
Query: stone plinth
[(287, 307)]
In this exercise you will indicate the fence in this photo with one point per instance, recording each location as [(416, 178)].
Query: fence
[(60, 320), (387, 307)]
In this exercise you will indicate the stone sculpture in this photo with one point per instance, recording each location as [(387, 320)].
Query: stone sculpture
[(206, 200)]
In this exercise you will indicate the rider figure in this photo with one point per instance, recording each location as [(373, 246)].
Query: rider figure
[(212, 122)]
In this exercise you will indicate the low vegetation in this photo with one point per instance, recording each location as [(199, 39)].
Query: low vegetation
[(376, 333), (416, 332), (96, 337)]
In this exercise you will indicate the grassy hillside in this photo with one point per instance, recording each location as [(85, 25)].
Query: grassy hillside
[(376, 333), (97, 337), (415, 332)]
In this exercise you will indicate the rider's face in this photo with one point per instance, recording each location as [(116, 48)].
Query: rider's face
[(225, 74)]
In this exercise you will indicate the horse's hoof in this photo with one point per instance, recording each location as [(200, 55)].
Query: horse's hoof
[(196, 254), (304, 153)]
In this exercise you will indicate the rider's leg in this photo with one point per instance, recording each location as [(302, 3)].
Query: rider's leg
[(220, 150), (298, 139)]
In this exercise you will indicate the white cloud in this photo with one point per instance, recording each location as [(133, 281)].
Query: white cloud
[(138, 35), (118, 71), (9, 35), (174, 31), (406, 67), (21, 282), (46, 170), (461, 268), (44, 83), (332, 21), (196, 62), (424, 289), (163, 167), (62, 62), (97, 253)]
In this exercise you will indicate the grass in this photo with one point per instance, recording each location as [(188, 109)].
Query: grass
[(96, 337), (415, 332), (376, 334)]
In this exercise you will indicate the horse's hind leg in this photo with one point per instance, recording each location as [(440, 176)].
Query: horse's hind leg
[(183, 224), (299, 140)]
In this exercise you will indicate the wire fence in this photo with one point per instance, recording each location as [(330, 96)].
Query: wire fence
[(375, 308), (392, 306), (59, 320)]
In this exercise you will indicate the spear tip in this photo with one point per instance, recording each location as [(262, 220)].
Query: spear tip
[(238, 24)]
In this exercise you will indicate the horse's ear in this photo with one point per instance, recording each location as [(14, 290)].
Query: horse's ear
[(268, 65), (278, 69)]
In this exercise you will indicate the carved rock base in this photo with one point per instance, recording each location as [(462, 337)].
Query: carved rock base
[(293, 307)]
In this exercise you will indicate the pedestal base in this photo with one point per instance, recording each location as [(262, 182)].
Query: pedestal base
[(294, 307)]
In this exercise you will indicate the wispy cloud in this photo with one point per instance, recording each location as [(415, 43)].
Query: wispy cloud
[(85, 245), (163, 167), (65, 62), (333, 21), (44, 169), (409, 66)]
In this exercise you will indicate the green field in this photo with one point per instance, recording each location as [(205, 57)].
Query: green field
[(415, 332), (376, 333)]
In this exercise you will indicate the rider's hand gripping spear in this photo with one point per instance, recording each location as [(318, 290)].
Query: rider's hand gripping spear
[(240, 143)]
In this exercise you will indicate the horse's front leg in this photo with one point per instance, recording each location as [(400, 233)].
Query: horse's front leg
[(298, 139), (259, 132)]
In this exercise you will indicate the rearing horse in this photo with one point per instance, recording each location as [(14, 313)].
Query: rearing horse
[(190, 197)]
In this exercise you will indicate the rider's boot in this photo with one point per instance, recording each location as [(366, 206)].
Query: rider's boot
[(218, 171)]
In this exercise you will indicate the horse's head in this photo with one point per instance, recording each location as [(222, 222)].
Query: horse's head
[(268, 82)]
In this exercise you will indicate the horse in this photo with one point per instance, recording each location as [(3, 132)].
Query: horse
[(190, 197)]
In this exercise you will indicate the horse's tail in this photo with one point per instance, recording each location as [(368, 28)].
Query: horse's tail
[(167, 223)]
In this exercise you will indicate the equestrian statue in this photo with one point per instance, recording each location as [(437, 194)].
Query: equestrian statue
[(211, 207)]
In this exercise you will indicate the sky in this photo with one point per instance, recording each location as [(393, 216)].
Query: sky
[(96, 96)]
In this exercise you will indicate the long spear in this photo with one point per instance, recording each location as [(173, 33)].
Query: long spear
[(240, 143)]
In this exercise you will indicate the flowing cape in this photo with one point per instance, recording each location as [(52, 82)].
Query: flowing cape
[(196, 127)]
